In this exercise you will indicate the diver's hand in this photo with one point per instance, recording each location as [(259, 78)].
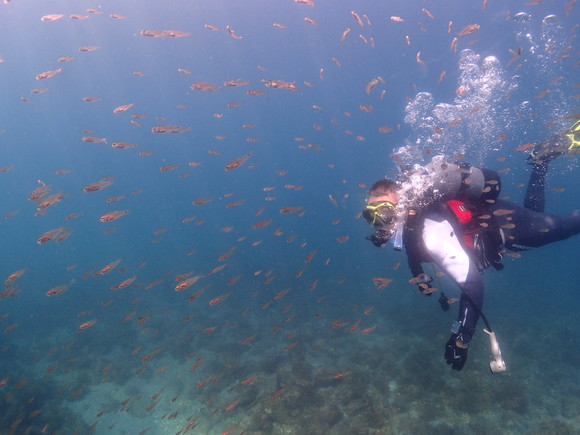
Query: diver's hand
[(379, 238), (444, 302), (455, 355)]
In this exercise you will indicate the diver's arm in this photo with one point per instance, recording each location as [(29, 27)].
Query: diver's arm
[(470, 305), (412, 241)]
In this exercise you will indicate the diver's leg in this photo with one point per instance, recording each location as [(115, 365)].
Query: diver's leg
[(539, 157), (535, 198), (533, 230)]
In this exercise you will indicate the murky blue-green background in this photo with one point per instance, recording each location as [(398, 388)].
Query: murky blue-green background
[(265, 359)]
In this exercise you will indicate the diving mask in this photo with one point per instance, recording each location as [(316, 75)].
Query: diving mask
[(380, 214)]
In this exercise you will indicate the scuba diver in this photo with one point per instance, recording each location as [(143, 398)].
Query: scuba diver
[(449, 214)]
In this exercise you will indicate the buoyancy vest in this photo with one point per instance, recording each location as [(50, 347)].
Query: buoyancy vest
[(483, 238)]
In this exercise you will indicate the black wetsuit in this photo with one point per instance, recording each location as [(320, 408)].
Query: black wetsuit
[(434, 235), (534, 228)]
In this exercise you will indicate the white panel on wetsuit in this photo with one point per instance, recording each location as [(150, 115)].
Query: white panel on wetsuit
[(445, 249)]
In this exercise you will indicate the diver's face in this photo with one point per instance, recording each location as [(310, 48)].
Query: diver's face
[(380, 211)]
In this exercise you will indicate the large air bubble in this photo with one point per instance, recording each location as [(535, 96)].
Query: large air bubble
[(522, 17), (470, 124)]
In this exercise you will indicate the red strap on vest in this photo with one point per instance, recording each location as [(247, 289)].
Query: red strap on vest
[(464, 216)]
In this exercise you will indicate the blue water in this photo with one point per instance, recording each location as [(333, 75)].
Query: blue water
[(154, 362)]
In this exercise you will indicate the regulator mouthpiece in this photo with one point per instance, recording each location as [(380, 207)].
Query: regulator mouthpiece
[(398, 239), (497, 364)]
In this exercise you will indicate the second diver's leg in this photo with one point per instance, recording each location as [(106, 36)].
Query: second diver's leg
[(535, 198), (539, 157)]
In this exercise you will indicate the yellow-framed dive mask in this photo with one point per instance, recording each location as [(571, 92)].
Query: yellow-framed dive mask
[(574, 136), (380, 214)]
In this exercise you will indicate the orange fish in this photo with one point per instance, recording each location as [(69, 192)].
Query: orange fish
[(261, 224), (202, 86), (310, 256), (469, 29), (108, 217), (152, 33), (344, 34), (93, 187), (175, 33), (357, 18), (169, 129), (122, 145), (220, 298), (233, 280), (50, 200), (57, 290), (201, 201), (88, 48), (168, 168), (187, 283), (86, 325), (429, 14), (341, 375), (48, 74), (278, 393), (287, 210), (454, 122), (108, 267), (124, 108), (51, 17), (115, 198), (125, 283), (381, 283), (543, 93), (453, 45), (367, 330), (93, 139), (371, 85), (232, 33), (231, 405), (247, 340), (227, 254), (236, 82), (235, 203), (197, 294), (249, 381), (280, 84), (49, 235), (13, 277), (418, 58), (254, 92)]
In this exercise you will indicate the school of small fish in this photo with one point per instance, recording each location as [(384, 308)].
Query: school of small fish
[(214, 255)]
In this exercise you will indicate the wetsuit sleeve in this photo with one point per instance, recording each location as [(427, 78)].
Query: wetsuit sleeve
[(445, 249), (413, 244)]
